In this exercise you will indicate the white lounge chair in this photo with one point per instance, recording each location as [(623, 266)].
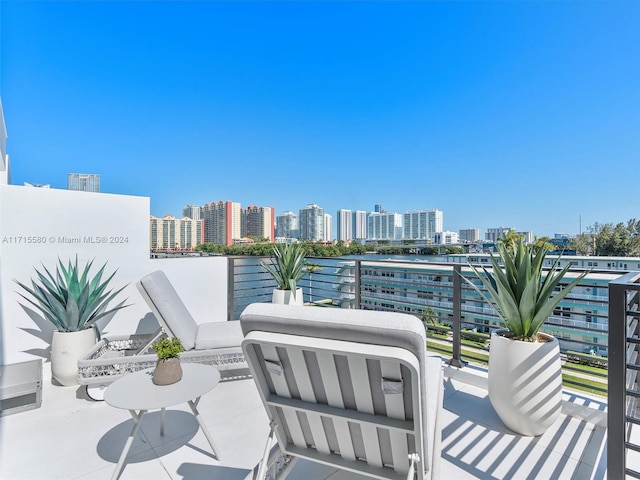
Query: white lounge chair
[(215, 343), (353, 389)]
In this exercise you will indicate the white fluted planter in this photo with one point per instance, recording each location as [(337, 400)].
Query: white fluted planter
[(66, 349), (284, 297), (525, 383)]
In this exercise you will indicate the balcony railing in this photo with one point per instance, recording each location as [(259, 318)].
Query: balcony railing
[(623, 418), (411, 287)]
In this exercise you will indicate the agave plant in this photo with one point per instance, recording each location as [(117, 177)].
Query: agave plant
[(287, 265), (520, 293), (71, 300)]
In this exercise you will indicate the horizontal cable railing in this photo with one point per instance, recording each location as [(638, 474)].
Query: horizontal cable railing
[(413, 287), (623, 417)]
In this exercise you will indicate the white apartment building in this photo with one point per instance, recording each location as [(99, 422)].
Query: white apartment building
[(328, 230), (312, 223), (469, 235), (170, 233), (345, 226), (384, 226), (494, 234), (84, 182), (288, 225), (445, 238), (359, 224), (422, 224), (528, 236)]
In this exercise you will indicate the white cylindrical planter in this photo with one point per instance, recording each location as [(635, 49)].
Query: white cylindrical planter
[(284, 297), (66, 349), (525, 383)]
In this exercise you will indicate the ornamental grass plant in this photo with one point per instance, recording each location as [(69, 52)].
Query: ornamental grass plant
[(287, 265), (71, 298), (519, 291)]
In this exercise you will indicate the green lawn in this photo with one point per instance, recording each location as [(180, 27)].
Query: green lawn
[(586, 385), (598, 372)]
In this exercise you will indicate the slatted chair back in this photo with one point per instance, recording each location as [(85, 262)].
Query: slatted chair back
[(342, 387)]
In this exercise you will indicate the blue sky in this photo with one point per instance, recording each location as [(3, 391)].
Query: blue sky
[(522, 114)]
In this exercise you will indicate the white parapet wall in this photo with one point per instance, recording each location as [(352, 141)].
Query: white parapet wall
[(40, 226)]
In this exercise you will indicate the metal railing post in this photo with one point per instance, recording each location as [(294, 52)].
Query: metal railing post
[(616, 383), (231, 273), (456, 359), (623, 294), (357, 284)]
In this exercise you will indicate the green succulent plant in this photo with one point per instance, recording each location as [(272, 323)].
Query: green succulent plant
[(168, 348), (521, 295), (71, 299), (287, 265)]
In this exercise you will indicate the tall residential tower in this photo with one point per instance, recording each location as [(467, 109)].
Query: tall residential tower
[(345, 229), (312, 223), (85, 182)]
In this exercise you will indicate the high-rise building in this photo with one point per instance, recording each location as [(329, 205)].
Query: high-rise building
[(345, 228), (192, 212), (222, 222), (469, 235), (287, 225), (494, 234), (359, 224), (84, 182), (312, 223), (170, 233), (422, 224), (260, 222), (328, 219), (384, 226), (377, 208)]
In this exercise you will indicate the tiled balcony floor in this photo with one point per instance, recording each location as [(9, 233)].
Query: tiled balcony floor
[(71, 437)]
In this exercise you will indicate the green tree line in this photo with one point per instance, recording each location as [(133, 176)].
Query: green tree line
[(317, 249), (607, 239)]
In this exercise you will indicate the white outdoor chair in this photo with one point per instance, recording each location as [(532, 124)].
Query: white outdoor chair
[(216, 343), (353, 389)]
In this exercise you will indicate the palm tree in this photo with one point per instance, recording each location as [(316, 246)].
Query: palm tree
[(429, 317)]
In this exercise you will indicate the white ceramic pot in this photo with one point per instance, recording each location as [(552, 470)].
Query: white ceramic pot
[(525, 383), (284, 297), (66, 349)]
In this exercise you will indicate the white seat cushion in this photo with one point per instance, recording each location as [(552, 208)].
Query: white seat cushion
[(218, 335)]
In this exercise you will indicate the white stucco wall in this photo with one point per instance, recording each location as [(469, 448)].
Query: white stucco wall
[(38, 226)]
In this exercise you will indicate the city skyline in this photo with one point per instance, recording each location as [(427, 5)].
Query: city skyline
[(515, 114)]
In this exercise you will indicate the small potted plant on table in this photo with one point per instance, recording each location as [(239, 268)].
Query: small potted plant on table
[(168, 369)]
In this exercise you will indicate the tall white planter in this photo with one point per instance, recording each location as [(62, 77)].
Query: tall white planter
[(284, 297), (525, 383), (66, 349)]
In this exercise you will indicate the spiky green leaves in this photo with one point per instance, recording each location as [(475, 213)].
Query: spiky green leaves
[(71, 299), (520, 293), (287, 265)]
